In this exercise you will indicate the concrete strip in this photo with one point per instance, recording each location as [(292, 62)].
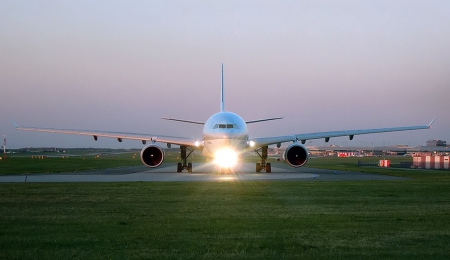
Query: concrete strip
[(201, 172)]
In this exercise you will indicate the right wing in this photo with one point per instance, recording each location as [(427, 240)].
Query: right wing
[(118, 135), (259, 142)]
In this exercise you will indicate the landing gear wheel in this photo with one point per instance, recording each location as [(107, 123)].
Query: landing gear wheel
[(258, 167), (268, 167), (185, 152), (263, 165)]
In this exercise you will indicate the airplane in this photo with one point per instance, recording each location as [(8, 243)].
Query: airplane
[(225, 137)]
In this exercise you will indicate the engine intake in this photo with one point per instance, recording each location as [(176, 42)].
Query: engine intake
[(152, 155), (296, 155)]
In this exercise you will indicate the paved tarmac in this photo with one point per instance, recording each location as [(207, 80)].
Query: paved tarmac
[(201, 172)]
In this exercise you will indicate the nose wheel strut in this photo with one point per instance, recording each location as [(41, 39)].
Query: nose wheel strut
[(263, 165), (185, 152)]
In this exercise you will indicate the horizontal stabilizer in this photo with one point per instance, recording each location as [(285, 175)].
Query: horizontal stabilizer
[(262, 120), (184, 121)]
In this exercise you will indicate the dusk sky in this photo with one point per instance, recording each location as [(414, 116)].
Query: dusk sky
[(322, 65)]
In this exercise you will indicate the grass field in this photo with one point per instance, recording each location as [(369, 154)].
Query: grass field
[(229, 220), (27, 165), (239, 220), (82, 162)]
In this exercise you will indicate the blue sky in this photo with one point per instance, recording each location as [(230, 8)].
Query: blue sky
[(322, 65)]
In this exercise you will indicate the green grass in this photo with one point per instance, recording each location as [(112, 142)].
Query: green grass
[(28, 165), (224, 220), (227, 220)]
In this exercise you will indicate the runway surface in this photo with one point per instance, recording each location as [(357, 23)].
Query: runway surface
[(201, 172)]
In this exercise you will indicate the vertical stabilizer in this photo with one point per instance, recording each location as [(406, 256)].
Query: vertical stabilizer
[(222, 104)]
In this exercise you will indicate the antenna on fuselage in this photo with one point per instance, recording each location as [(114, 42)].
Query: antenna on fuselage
[(222, 104)]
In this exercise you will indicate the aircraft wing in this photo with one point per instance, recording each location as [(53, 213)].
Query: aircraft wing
[(118, 135), (258, 142)]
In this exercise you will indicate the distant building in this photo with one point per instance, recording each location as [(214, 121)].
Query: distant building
[(436, 143)]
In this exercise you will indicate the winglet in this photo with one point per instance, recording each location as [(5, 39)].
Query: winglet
[(14, 123), (432, 121)]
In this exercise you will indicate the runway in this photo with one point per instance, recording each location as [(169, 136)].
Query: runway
[(201, 172)]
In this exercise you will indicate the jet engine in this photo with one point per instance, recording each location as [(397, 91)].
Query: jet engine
[(296, 155), (152, 155)]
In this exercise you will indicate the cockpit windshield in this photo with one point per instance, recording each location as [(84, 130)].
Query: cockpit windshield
[(226, 126)]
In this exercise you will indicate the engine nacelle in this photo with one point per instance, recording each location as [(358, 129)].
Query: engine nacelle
[(152, 155), (296, 155)]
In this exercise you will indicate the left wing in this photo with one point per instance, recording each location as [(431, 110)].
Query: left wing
[(258, 142), (118, 135)]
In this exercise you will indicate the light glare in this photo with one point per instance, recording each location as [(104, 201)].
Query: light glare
[(225, 158)]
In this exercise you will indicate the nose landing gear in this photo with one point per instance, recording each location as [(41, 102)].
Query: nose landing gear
[(225, 170)]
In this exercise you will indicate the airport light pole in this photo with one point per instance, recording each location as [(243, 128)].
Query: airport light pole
[(4, 147)]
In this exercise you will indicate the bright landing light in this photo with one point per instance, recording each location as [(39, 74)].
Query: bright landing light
[(225, 158)]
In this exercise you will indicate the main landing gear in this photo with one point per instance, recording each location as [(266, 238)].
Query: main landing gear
[(263, 165), (184, 155)]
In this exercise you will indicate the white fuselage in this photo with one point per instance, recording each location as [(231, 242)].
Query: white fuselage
[(224, 130)]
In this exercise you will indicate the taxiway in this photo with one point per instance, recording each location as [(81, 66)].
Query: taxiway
[(201, 172)]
